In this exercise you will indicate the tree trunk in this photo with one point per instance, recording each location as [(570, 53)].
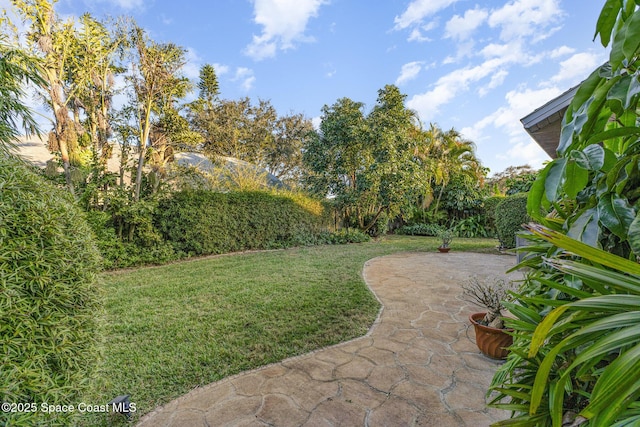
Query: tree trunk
[(438, 199), (145, 128), (374, 220)]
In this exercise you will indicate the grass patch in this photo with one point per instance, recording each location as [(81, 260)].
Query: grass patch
[(166, 330)]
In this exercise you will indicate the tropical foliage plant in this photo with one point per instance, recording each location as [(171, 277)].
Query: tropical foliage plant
[(576, 339), (575, 358), (48, 297)]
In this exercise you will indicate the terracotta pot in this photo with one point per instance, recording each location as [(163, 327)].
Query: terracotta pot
[(443, 250), (492, 342)]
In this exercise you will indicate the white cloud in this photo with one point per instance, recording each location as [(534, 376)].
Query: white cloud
[(448, 86), (418, 10), (125, 4), (525, 153), (520, 18), (192, 67), (577, 68), (461, 27), (284, 23), (409, 72), (498, 58), (496, 80), (506, 119), (316, 121), (416, 36), (561, 51), (244, 76), (220, 69)]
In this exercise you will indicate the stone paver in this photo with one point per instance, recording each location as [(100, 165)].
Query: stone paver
[(417, 366)]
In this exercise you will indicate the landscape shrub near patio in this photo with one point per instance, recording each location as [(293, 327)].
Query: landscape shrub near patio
[(576, 353), (203, 222), (510, 214), (48, 298)]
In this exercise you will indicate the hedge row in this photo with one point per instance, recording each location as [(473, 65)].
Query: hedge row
[(200, 222), (510, 214)]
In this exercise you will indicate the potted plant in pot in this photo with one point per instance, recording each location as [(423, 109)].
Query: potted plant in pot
[(491, 336), (446, 236)]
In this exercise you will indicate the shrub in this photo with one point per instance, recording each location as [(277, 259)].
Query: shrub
[(472, 226), (146, 247), (489, 207), (48, 297), (348, 235), (203, 222), (510, 214), (420, 229)]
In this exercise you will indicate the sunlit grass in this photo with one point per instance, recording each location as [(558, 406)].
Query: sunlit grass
[(169, 329)]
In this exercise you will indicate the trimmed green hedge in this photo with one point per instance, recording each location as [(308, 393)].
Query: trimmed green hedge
[(200, 222), (510, 214), (489, 207), (48, 297), (420, 229)]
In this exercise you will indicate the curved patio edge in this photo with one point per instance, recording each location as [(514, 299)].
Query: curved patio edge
[(417, 364)]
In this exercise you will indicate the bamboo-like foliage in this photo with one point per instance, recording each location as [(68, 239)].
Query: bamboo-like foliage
[(577, 339), (48, 297)]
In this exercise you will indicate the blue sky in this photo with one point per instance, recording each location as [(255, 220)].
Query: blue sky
[(475, 65)]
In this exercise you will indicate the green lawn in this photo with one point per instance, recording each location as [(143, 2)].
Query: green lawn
[(168, 329)]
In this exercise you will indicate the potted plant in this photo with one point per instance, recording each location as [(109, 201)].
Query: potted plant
[(446, 236), (491, 336)]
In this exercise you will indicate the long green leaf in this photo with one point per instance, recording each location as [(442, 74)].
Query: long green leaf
[(542, 331), (590, 158), (578, 178), (536, 195), (585, 251), (616, 56), (607, 303), (609, 343), (555, 179), (610, 134), (632, 36), (607, 20), (620, 282), (585, 228), (620, 378), (522, 421), (624, 91), (634, 235), (542, 378), (616, 214), (556, 398)]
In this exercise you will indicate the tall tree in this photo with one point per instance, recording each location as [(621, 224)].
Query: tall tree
[(393, 136), (93, 70), (155, 76), (283, 158), (445, 154), (366, 162), (336, 156), (208, 85), (53, 41)]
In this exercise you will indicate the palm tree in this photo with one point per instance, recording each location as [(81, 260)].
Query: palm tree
[(447, 154), (16, 70)]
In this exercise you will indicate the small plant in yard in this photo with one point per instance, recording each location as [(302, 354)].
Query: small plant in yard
[(490, 292), (446, 236)]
